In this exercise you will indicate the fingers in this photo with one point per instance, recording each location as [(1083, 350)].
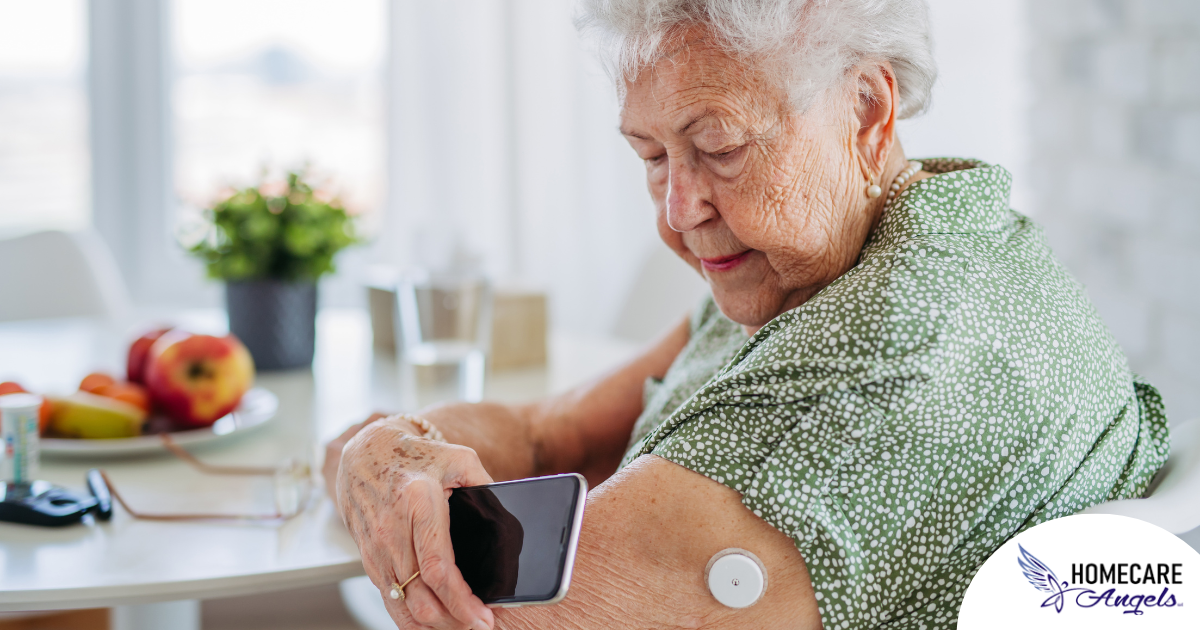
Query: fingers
[(419, 608), (400, 519), (333, 454), (329, 470), (353, 429), (430, 517), (372, 418), (464, 468), (423, 607)]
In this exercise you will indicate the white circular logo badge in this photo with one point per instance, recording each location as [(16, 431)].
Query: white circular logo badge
[(1094, 571)]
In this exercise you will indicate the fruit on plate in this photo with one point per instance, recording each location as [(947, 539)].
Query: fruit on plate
[(102, 384), (10, 387), (89, 416), (197, 379), (125, 391), (139, 351), (96, 381)]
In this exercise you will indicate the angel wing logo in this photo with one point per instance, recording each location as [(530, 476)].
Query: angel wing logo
[(1043, 579)]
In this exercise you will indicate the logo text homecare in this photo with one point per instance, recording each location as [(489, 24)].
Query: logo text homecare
[(1043, 579), (1127, 573)]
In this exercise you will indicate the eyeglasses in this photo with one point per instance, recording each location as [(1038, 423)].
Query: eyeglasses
[(292, 479)]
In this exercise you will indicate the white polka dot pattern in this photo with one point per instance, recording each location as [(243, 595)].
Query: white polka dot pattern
[(712, 342), (952, 389)]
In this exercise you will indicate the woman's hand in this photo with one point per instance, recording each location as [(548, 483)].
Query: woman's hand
[(333, 454), (392, 491)]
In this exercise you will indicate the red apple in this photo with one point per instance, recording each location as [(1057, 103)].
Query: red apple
[(135, 367), (197, 379)]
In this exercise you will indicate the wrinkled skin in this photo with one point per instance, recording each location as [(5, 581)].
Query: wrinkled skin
[(386, 472), (733, 171)]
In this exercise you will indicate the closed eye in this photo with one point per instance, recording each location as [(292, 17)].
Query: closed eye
[(724, 155)]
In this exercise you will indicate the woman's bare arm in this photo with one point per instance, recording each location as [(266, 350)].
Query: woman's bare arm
[(583, 430), (648, 533)]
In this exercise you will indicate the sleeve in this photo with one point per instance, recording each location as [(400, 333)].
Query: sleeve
[(1151, 443), (704, 311), (786, 462), (893, 486), (816, 449)]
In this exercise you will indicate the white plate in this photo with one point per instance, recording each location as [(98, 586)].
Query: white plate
[(257, 407)]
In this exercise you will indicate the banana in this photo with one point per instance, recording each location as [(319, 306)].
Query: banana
[(88, 416)]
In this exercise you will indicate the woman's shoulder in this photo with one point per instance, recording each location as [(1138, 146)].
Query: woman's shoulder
[(957, 280), (961, 197)]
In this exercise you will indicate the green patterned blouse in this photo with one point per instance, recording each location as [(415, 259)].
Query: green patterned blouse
[(952, 389)]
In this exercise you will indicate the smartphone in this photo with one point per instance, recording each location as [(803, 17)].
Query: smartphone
[(515, 541)]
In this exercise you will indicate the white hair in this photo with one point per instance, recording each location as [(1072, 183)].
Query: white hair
[(805, 46)]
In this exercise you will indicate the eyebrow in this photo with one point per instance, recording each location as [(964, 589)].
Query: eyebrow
[(632, 134), (702, 116), (707, 113)]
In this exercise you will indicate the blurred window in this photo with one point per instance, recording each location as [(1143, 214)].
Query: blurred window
[(44, 162), (279, 84)]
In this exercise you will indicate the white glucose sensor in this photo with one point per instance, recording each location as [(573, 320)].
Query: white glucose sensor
[(736, 578)]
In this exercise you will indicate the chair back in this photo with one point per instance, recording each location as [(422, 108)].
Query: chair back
[(664, 291), (59, 274), (1173, 500)]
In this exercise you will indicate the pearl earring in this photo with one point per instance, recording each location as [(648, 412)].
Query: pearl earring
[(874, 190)]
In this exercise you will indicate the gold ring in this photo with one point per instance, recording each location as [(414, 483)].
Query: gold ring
[(398, 589)]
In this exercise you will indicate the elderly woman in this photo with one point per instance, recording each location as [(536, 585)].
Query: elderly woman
[(892, 377)]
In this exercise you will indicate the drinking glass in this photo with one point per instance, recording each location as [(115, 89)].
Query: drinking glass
[(444, 320)]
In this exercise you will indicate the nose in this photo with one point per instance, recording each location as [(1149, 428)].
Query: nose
[(689, 200)]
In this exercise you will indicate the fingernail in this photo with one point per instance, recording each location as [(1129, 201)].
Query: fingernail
[(479, 624)]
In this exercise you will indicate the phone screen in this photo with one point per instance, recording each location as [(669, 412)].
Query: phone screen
[(512, 539)]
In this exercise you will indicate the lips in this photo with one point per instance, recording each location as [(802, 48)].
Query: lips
[(724, 263)]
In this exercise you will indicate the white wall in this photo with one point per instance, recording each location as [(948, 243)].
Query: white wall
[(587, 220), (1116, 129), (504, 143), (982, 93)]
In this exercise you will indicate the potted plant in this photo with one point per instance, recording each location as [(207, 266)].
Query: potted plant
[(270, 244)]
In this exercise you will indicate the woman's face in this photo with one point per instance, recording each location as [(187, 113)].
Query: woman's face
[(769, 206)]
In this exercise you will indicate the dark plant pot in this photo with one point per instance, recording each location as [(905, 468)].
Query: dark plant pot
[(275, 319)]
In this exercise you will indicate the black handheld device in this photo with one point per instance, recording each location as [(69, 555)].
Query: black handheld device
[(45, 504), (42, 503), (515, 541)]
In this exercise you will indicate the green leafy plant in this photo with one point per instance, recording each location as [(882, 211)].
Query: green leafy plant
[(276, 230)]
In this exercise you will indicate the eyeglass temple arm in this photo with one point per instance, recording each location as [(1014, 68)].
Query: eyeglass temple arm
[(112, 489), (178, 451)]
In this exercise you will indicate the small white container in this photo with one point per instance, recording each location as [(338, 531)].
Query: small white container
[(19, 430)]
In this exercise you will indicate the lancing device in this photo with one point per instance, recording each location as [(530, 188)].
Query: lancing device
[(736, 577)]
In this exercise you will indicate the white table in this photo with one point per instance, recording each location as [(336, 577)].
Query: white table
[(127, 563)]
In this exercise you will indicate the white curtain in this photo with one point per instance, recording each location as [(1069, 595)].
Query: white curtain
[(504, 147)]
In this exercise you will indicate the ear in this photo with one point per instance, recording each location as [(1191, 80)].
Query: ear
[(877, 101)]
